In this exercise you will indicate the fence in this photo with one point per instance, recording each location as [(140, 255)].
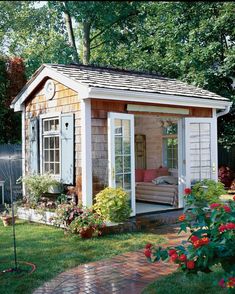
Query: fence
[(10, 165)]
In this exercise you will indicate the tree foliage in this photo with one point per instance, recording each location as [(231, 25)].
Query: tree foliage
[(190, 41), (12, 79)]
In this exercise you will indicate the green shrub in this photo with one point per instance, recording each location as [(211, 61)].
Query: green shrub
[(208, 191), (113, 204), (36, 185)]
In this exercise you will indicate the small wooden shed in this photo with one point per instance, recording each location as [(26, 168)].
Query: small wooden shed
[(104, 127)]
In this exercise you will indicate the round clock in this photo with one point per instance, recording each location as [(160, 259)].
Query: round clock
[(49, 89)]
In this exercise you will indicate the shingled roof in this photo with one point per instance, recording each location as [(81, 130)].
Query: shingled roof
[(131, 81)]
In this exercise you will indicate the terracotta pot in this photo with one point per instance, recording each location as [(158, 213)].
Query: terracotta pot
[(7, 220), (87, 233)]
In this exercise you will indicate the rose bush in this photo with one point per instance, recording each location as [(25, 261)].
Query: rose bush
[(211, 240)]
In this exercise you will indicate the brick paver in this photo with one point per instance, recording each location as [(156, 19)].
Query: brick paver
[(128, 273)]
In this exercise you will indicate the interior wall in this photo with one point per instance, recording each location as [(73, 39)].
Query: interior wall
[(150, 126)]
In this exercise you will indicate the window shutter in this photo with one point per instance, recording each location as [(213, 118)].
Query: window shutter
[(67, 148), (34, 146)]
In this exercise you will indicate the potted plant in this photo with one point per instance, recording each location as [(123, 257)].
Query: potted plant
[(7, 216), (87, 224)]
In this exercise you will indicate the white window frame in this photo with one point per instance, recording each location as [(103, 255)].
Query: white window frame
[(42, 117), (111, 154), (170, 136)]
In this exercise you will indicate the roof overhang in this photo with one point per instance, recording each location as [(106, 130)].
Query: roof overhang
[(85, 92)]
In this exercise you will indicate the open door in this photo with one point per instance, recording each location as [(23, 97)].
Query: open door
[(122, 154), (200, 149)]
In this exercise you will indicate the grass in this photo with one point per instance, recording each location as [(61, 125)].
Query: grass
[(53, 252), (179, 283)]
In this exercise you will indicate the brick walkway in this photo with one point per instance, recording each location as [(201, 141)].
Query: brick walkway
[(128, 273)]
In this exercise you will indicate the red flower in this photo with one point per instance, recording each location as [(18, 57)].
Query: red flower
[(171, 252), (194, 238), (231, 282), (190, 264), (221, 283), (182, 218), (183, 257), (227, 208), (187, 191), (197, 243), (148, 246), (214, 205), (234, 197), (205, 240), (147, 253), (228, 226), (174, 257)]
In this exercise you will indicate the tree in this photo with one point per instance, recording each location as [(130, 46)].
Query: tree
[(95, 19), (12, 79)]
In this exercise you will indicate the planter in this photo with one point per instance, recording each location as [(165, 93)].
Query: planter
[(7, 220), (87, 233), (43, 217), (55, 189)]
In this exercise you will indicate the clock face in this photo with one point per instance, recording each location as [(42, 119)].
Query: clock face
[(49, 89)]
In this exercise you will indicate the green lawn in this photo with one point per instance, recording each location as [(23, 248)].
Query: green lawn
[(179, 283), (53, 252)]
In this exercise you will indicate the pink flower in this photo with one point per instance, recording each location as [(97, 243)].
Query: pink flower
[(148, 246), (222, 283), (171, 252), (214, 205), (227, 208), (147, 253)]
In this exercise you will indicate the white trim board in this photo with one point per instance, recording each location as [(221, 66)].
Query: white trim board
[(147, 108), (85, 92)]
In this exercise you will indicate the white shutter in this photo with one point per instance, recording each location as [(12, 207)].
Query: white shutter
[(34, 146), (67, 148)]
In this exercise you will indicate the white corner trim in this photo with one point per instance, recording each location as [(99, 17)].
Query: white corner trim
[(86, 152), (47, 72), (147, 108), (23, 138), (134, 96)]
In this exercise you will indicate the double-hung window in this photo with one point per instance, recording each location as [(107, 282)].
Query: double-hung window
[(170, 146), (51, 145)]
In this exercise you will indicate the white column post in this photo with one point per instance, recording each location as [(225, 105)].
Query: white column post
[(23, 137), (215, 146), (86, 152)]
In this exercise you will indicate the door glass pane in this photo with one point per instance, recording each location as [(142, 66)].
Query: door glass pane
[(127, 145), (118, 145), (126, 128), (127, 181), (119, 164), (118, 127), (119, 181), (127, 163)]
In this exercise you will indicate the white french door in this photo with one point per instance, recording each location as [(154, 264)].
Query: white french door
[(200, 149), (122, 154)]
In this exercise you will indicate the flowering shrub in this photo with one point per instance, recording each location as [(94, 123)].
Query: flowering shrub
[(211, 240), (87, 220), (78, 219), (66, 213)]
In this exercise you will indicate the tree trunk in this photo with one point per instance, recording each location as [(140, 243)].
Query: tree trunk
[(69, 26), (86, 42)]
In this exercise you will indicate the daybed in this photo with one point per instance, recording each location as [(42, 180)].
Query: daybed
[(151, 187)]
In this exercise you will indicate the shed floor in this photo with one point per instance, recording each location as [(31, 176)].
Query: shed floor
[(142, 207)]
